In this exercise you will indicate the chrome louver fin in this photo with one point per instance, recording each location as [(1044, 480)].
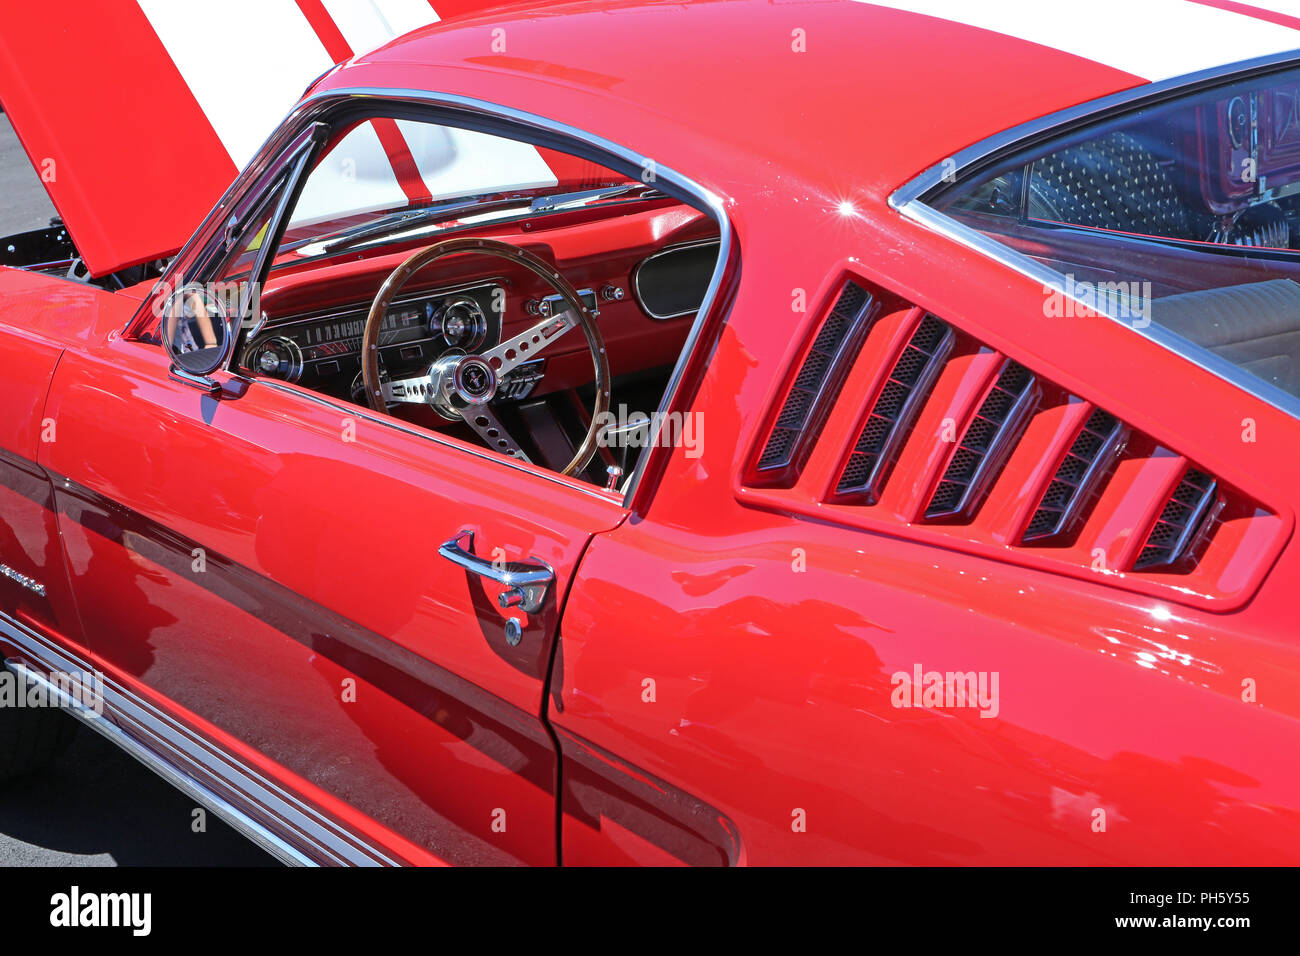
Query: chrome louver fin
[(1182, 523), (816, 386), (1082, 469), (895, 410), (985, 445)]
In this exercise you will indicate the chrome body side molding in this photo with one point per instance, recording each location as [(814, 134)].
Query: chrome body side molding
[(279, 822)]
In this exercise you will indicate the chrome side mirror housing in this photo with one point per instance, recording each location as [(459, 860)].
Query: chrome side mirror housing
[(197, 333)]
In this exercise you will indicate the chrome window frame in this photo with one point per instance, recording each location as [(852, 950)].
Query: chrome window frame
[(506, 121), (910, 200)]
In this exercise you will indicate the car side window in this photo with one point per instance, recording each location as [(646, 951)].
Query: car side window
[(1184, 215), (535, 331)]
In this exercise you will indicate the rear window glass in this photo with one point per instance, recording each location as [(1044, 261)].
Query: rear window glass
[(1185, 215)]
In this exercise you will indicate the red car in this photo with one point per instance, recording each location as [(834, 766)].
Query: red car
[(717, 433)]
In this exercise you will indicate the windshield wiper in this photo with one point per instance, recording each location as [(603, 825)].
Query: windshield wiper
[(557, 201), (411, 217), (478, 205)]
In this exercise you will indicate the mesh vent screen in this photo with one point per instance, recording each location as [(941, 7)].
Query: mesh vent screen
[(1076, 477), (895, 409), (809, 394), (985, 440)]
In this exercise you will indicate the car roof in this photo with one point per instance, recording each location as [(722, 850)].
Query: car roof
[(765, 100), (811, 99)]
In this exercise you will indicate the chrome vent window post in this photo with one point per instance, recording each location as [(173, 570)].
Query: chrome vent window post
[(1085, 466), (816, 387), (894, 412), (985, 445), (1183, 524)]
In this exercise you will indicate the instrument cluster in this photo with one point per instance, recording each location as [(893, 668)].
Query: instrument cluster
[(324, 349)]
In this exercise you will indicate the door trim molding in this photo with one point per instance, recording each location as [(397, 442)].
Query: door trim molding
[(277, 821)]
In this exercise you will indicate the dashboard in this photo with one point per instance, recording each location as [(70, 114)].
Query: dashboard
[(322, 350), (643, 276)]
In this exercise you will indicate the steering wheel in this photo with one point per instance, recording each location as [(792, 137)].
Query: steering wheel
[(459, 387)]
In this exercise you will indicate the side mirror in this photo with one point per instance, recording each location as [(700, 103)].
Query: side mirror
[(196, 331)]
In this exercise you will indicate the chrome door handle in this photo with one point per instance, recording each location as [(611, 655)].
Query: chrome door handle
[(526, 582)]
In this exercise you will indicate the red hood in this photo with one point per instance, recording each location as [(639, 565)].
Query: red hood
[(138, 114)]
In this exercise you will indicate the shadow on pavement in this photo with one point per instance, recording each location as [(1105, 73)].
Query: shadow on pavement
[(97, 806)]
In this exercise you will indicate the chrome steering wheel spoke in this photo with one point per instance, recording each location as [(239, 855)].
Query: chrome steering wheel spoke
[(416, 390), (458, 386), (484, 421), (524, 347)]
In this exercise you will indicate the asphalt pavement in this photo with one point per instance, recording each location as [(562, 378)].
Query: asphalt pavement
[(23, 202), (96, 806)]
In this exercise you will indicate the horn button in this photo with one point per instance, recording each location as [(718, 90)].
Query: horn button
[(459, 382), (474, 380)]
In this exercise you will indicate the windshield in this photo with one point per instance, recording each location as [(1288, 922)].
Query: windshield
[(1185, 215), (384, 177)]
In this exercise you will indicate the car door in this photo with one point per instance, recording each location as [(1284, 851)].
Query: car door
[(263, 565)]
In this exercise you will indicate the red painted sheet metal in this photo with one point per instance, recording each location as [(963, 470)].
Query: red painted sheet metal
[(128, 157)]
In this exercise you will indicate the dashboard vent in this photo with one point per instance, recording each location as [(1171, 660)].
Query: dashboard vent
[(1181, 525), (1100, 439), (985, 445), (816, 386), (895, 410)]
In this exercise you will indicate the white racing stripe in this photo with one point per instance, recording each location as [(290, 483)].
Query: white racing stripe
[(1153, 39), (366, 24), (246, 62), (461, 162), (357, 175), (451, 162)]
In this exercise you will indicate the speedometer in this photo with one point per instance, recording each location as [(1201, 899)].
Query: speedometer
[(461, 323)]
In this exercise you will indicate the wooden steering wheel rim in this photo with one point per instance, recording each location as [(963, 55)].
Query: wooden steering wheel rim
[(502, 250)]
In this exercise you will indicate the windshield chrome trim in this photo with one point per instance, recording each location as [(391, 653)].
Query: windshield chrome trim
[(910, 201), (417, 230)]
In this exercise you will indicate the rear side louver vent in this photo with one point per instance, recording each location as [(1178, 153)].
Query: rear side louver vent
[(815, 387), (895, 410), (892, 421), (1085, 464), (985, 445), (1179, 529)]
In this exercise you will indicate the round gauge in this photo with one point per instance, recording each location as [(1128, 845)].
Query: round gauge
[(461, 323), (277, 357), (1238, 122), (358, 388)]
